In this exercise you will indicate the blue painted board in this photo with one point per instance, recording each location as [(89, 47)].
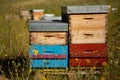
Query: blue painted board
[(48, 49), (48, 63)]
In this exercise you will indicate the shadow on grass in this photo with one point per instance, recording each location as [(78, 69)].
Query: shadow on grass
[(13, 68)]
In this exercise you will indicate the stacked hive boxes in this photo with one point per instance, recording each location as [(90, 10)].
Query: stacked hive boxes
[(48, 44), (87, 32)]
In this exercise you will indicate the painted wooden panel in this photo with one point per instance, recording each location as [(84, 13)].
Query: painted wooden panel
[(48, 63), (48, 49), (87, 20), (87, 62), (88, 50), (48, 38), (87, 35)]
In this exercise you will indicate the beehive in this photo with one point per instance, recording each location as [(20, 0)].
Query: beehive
[(87, 24), (87, 32), (78, 10), (48, 32), (38, 14), (48, 41), (25, 15)]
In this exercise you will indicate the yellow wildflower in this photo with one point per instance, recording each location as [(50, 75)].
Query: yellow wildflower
[(44, 60), (13, 61), (6, 55), (102, 78), (93, 68), (36, 52), (76, 59), (43, 78), (118, 48), (104, 63), (88, 61)]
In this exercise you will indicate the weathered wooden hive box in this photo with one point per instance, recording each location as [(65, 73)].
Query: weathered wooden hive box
[(87, 24), (48, 38), (37, 14), (87, 32), (52, 33), (85, 35), (91, 12), (48, 41), (25, 15)]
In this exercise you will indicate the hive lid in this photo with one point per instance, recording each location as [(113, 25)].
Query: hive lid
[(85, 9), (47, 25)]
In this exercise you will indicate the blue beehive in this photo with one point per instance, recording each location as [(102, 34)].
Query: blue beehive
[(50, 56)]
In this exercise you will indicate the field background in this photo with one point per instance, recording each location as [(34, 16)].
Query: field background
[(14, 38)]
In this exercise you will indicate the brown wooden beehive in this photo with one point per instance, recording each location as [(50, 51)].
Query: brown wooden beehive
[(38, 14)]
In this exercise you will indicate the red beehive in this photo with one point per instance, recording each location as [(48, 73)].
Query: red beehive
[(88, 50), (88, 62)]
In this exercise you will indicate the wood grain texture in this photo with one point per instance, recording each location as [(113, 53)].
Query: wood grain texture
[(54, 38), (87, 35), (88, 20), (37, 15)]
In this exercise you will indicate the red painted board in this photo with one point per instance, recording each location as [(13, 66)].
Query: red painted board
[(48, 56), (88, 50), (87, 62)]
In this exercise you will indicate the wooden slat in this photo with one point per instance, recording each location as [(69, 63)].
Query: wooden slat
[(88, 50), (87, 20), (87, 35), (48, 38), (88, 62)]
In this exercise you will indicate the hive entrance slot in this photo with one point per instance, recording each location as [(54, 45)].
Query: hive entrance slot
[(49, 51), (91, 35), (88, 51), (88, 18), (49, 36)]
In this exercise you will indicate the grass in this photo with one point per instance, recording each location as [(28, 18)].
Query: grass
[(14, 38)]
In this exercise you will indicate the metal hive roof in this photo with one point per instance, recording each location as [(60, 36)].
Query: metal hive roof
[(47, 25), (85, 9)]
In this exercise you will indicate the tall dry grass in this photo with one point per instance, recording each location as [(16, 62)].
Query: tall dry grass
[(14, 36)]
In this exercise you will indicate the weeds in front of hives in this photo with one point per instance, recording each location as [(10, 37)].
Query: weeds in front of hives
[(14, 39)]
